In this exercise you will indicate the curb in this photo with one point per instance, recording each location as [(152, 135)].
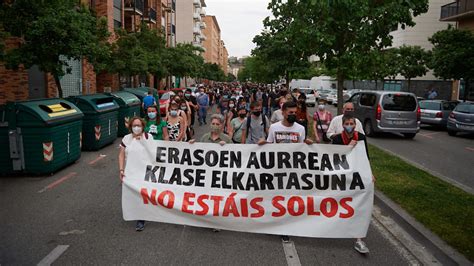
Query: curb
[(435, 245)]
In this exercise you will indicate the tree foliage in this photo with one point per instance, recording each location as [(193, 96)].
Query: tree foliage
[(412, 62), (340, 32), (51, 31), (452, 56)]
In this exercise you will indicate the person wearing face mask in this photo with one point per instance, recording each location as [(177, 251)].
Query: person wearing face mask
[(193, 106), (155, 126), (176, 124), (277, 115), (229, 115), (302, 116), (203, 104), (335, 127), (216, 134), (351, 136), (236, 125), (185, 109), (322, 118), (256, 125), (133, 143)]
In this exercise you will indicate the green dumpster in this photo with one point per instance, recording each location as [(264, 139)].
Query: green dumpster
[(100, 119), (5, 161), (129, 107), (43, 135)]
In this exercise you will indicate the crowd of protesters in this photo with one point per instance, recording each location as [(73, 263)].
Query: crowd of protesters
[(247, 114)]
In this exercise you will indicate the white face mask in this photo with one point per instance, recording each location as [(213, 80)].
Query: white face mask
[(137, 130), (321, 107)]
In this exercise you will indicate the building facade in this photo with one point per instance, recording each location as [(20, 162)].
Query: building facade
[(214, 46), (24, 84), (189, 22)]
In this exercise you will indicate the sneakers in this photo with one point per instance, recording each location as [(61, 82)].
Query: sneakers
[(361, 247), (285, 239), (140, 226)]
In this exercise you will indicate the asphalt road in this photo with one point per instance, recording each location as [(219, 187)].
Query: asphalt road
[(448, 157), (82, 214)]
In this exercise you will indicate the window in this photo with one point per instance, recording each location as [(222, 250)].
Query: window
[(355, 99), (367, 99), (117, 14), (449, 105), (430, 105), (399, 102), (465, 108)]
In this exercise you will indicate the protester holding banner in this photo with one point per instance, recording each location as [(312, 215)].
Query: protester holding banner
[(287, 131), (322, 118), (217, 128), (156, 126), (350, 136), (302, 116), (128, 148), (256, 125), (336, 123)]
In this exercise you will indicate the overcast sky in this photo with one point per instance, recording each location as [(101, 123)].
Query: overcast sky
[(240, 21)]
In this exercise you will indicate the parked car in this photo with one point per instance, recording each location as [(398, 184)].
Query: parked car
[(384, 111), (165, 98), (436, 112), (461, 119)]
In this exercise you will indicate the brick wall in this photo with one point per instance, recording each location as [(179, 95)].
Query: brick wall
[(88, 78), (13, 83)]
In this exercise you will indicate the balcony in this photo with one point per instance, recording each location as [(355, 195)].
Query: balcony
[(135, 6), (197, 30), (203, 37), (203, 12), (203, 25), (197, 16), (457, 10), (197, 44), (150, 16), (197, 3)]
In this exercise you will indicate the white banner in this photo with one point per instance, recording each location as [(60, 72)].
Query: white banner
[(287, 189)]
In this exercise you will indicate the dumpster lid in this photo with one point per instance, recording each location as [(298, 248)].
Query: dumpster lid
[(49, 110), (140, 92), (95, 103), (126, 98)]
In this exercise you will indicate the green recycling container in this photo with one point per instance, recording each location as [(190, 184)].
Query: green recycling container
[(5, 161), (43, 135), (129, 107), (100, 120)]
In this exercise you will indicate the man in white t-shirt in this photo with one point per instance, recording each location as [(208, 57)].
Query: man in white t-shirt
[(335, 127), (287, 131)]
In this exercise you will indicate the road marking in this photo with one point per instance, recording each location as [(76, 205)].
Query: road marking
[(57, 182), (291, 255), (53, 255), (469, 149), (100, 157), (428, 135)]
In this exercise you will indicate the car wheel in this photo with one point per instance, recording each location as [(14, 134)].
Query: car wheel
[(409, 135), (369, 130), (451, 132)]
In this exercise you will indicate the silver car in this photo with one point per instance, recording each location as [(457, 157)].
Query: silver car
[(436, 112), (385, 111), (461, 119)]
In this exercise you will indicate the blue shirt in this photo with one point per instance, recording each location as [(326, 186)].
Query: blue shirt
[(148, 101), (203, 100)]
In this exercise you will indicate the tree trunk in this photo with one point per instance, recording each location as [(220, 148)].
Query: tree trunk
[(340, 86), (185, 82), (353, 84), (287, 77), (58, 84), (376, 85), (466, 89)]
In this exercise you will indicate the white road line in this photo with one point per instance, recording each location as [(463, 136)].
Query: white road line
[(53, 255), (291, 255)]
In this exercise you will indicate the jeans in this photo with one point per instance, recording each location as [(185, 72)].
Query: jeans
[(202, 114)]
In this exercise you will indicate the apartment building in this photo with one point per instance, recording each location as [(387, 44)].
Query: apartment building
[(223, 57), (215, 50), (24, 84), (189, 22)]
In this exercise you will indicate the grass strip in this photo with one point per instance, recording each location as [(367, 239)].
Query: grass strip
[(443, 208)]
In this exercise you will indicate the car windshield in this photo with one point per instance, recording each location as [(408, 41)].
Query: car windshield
[(430, 105), (399, 102), (465, 108)]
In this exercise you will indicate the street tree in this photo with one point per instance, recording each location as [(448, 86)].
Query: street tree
[(412, 62), (52, 32), (339, 32), (184, 60), (452, 56)]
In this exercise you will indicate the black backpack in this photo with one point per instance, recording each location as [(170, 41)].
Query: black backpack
[(264, 122)]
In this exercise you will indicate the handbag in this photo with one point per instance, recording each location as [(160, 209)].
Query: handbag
[(325, 138)]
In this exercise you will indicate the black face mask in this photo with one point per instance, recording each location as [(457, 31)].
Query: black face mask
[(257, 113), (291, 119), (242, 115), (349, 113)]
